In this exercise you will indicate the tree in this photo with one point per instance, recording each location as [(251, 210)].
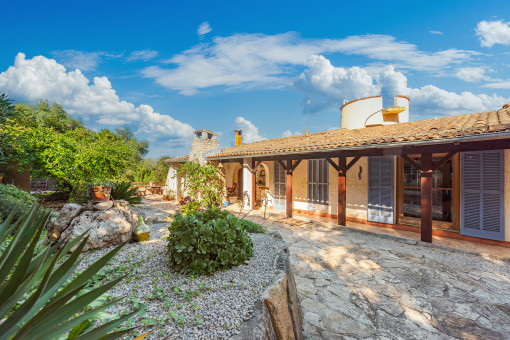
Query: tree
[(52, 144), (203, 183)]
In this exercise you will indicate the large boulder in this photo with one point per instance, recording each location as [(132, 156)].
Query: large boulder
[(66, 215), (105, 228)]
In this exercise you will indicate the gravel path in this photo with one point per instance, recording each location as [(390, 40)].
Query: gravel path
[(179, 306)]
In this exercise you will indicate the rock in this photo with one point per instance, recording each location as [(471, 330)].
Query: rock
[(66, 215), (278, 315), (125, 207), (103, 205), (106, 228)]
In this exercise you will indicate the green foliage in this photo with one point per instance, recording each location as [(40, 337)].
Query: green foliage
[(190, 208), (74, 157), (39, 296), (205, 242), (12, 197), (203, 183), (150, 170), (252, 227), (124, 191)]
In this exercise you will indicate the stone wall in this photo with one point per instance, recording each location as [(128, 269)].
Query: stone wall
[(277, 315), (199, 147)]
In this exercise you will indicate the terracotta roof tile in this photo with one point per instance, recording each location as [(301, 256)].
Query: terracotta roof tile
[(177, 159), (437, 128)]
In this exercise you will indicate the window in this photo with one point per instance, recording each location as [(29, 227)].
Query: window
[(318, 179), (442, 191)]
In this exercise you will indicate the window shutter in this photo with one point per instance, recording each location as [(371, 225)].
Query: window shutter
[(380, 189), (482, 194)]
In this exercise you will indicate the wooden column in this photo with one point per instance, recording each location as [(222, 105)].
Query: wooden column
[(342, 195), (288, 185), (426, 197), (253, 187)]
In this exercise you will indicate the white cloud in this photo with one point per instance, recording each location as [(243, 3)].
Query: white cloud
[(204, 28), (472, 74), (493, 32), (324, 86), (436, 32), (142, 55), (250, 131), (84, 61), (248, 60), (499, 85), (322, 83), (42, 78), (288, 133)]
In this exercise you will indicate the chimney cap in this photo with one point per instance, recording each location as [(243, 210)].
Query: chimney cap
[(207, 131)]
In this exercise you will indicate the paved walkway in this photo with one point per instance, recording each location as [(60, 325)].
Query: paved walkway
[(355, 284)]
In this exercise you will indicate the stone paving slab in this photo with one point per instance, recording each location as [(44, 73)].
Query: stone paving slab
[(359, 285)]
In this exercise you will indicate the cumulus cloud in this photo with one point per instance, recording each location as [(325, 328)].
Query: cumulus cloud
[(250, 131), (142, 55), (436, 32), (493, 32), (84, 61), (248, 60), (97, 102), (472, 74), (324, 85), (204, 28), (288, 133)]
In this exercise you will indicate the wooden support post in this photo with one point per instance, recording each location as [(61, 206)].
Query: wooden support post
[(342, 196), (253, 184), (288, 184), (427, 173)]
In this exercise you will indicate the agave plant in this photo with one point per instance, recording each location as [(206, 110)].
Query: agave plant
[(39, 296), (124, 191)]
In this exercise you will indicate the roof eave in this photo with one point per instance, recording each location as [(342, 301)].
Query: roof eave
[(480, 137)]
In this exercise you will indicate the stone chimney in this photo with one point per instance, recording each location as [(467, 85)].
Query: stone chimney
[(205, 141)]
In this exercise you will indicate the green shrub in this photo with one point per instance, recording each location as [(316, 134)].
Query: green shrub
[(40, 296), (124, 191), (205, 242), (252, 227), (10, 197)]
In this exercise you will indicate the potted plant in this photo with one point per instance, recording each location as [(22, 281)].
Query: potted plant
[(179, 195), (100, 191)]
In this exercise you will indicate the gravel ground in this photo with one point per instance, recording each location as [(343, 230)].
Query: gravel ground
[(179, 306)]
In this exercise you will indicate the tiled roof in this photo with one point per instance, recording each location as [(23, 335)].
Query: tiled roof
[(177, 159), (411, 132)]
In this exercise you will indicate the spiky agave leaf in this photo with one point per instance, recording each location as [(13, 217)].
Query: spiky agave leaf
[(35, 300)]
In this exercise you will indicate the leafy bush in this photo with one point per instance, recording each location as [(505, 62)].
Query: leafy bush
[(10, 197), (124, 191), (252, 227), (205, 242), (39, 296)]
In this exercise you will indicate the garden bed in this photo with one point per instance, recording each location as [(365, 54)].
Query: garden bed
[(179, 306)]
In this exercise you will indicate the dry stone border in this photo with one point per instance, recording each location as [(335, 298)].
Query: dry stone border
[(358, 285)]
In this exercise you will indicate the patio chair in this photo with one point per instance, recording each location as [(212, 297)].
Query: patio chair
[(232, 190)]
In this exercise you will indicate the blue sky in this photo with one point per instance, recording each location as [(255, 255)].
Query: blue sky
[(273, 69)]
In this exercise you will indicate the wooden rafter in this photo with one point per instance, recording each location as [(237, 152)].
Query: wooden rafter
[(412, 162), (352, 162), (443, 160), (333, 164), (295, 165)]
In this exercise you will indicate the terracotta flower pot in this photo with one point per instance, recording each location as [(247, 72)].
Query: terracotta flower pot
[(100, 194)]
